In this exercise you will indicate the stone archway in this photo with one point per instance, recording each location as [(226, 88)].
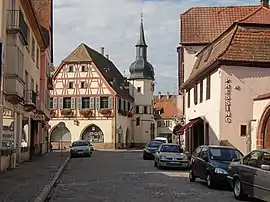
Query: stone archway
[(128, 138), (60, 138), (93, 134), (263, 132)]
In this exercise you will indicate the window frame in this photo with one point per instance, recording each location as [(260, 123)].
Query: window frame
[(67, 102), (104, 102)]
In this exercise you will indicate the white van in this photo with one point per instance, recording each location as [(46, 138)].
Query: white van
[(162, 139)]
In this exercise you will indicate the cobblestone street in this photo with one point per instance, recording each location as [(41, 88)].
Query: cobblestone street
[(125, 177)]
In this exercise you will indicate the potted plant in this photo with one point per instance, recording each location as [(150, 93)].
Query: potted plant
[(105, 111), (67, 112), (129, 114), (52, 113), (86, 112)]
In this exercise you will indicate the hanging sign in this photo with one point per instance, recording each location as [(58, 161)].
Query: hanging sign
[(228, 114)]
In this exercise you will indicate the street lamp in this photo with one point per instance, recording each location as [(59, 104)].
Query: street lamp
[(61, 125)]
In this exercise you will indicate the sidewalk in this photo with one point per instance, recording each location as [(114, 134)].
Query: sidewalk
[(23, 183)]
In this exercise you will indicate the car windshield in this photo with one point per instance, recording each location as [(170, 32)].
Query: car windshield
[(158, 140), (154, 144), (225, 154), (78, 144), (171, 148)]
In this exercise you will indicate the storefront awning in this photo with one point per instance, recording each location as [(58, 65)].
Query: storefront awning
[(188, 125)]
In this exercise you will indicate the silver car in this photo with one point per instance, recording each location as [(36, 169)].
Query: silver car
[(170, 156), (80, 148)]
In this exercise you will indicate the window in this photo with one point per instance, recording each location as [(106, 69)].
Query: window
[(243, 130), (70, 85), (264, 160), (84, 69), (188, 98), (251, 160), (159, 124), (70, 68), (145, 110), (104, 102), (204, 152), (168, 123), (51, 103), (197, 151), (37, 57), (129, 106), (171, 148), (201, 91), (139, 89), (67, 103), (119, 103), (33, 48), (195, 93), (85, 102), (125, 105), (208, 87), (137, 121), (83, 84), (137, 109)]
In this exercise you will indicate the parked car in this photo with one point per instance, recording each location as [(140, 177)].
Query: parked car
[(211, 163), (170, 156), (162, 139), (80, 148), (150, 149), (250, 176)]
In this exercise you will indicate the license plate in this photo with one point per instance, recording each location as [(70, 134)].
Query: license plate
[(175, 163)]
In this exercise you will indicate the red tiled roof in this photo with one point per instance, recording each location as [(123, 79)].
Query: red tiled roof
[(169, 109), (242, 42), (262, 96), (204, 24)]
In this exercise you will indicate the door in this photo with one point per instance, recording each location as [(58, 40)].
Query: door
[(194, 160), (202, 163), (248, 171), (261, 180)]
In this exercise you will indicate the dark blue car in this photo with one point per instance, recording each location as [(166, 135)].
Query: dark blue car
[(150, 149), (211, 163)]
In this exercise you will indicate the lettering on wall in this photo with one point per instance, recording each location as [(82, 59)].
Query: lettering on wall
[(228, 114)]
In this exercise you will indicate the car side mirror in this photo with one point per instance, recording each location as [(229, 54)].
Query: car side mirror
[(265, 167), (235, 160)]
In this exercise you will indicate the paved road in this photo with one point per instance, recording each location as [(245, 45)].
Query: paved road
[(125, 177)]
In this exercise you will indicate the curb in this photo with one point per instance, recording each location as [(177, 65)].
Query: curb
[(42, 196), (120, 150)]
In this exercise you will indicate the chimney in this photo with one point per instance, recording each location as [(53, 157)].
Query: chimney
[(265, 3), (168, 95), (102, 50), (107, 56), (159, 95)]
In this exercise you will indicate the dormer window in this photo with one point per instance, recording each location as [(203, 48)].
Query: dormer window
[(70, 68), (139, 89)]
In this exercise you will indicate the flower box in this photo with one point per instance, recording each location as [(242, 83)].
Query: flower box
[(105, 111), (86, 112), (67, 112)]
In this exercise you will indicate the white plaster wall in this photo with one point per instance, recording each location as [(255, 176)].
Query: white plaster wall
[(258, 108), (105, 125), (125, 123), (190, 58), (208, 110), (251, 83)]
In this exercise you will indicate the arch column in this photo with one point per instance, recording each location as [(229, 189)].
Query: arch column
[(263, 131), (60, 138)]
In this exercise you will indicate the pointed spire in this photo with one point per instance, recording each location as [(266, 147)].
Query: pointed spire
[(141, 41)]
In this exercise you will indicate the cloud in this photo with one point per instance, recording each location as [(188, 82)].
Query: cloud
[(115, 25)]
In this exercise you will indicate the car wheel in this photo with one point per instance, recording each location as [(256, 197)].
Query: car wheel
[(159, 166), (238, 190), (209, 181), (144, 157), (191, 176)]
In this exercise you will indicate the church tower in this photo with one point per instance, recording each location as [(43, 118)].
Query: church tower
[(142, 89)]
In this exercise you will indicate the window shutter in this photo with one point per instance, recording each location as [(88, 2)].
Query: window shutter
[(79, 102), (92, 103), (60, 103), (73, 103), (117, 102), (110, 102), (126, 107), (98, 102), (122, 104), (54, 103)]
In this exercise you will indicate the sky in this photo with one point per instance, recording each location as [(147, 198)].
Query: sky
[(114, 24)]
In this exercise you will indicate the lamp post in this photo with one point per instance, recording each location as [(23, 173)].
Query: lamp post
[(61, 125)]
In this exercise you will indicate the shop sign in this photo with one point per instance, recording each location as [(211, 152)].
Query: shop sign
[(228, 114), (37, 117)]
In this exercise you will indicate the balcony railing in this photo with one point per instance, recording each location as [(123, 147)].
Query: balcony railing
[(17, 24), (30, 97)]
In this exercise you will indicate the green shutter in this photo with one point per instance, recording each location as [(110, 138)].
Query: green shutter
[(122, 104), (110, 102), (54, 103), (92, 103), (79, 103), (73, 103), (98, 102), (60, 103)]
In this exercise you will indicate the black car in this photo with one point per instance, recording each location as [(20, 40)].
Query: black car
[(150, 149), (211, 163), (250, 175)]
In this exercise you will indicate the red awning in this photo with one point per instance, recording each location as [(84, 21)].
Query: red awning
[(188, 125)]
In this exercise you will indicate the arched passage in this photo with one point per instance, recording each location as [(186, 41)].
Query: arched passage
[(128, 137), (263, 133), (60, 138), (93, 134)]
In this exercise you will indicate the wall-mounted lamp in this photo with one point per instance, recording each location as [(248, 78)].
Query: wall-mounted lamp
[(76, 122)]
